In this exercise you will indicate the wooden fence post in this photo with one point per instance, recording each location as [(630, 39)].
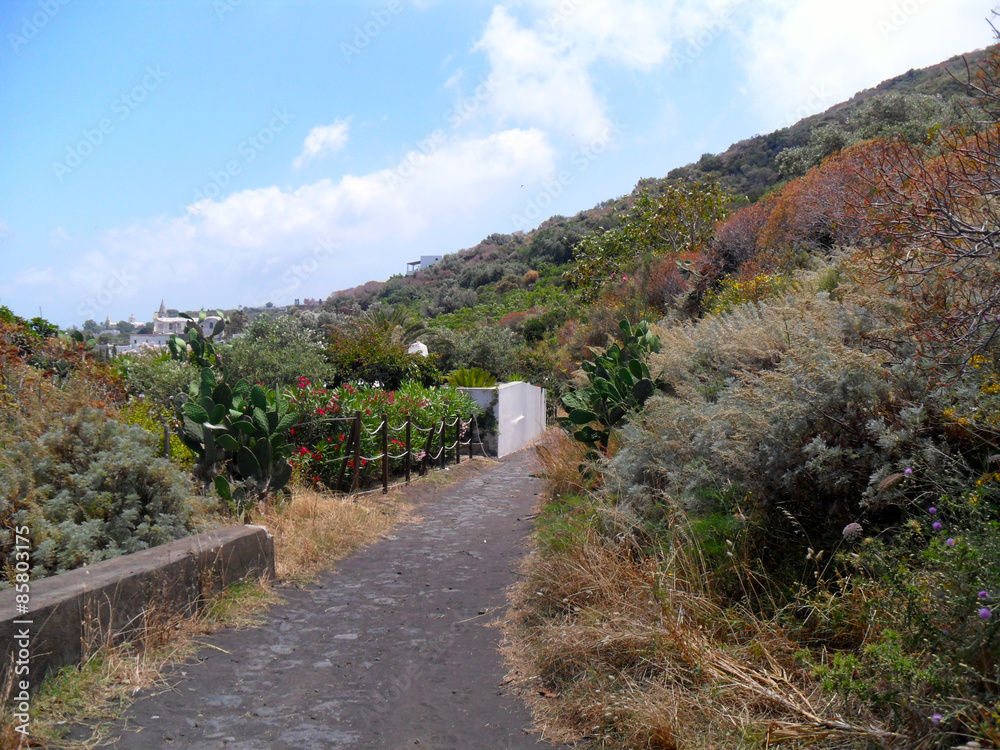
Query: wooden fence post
[(409, 445), (470, 437), (385, 454), (444, 437), (343, 456), (357, 451), (427, 452)]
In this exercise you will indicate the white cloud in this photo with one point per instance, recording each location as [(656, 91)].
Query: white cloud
[(271, 244), (541, 71), (323, 141), (33, 276), (804, 57)]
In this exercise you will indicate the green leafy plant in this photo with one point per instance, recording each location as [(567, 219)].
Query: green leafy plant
[(620, 383), (471, 377), (241, 429), (202, 348)]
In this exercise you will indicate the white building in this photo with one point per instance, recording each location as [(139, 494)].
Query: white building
[(165, 326), (426, 261)]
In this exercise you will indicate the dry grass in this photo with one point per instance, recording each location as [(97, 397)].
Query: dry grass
[(616, 646), (560, 459)]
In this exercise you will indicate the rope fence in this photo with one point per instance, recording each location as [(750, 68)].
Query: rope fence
[(446, 436)]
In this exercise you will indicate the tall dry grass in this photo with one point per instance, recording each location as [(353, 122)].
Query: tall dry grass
[(618, 644)]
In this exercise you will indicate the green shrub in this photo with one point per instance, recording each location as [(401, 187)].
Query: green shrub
[(367, 355), (154, 376), (275, 351), (90, 489), (149, 416), (472, 377)]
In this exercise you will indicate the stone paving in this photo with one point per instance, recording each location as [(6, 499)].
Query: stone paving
[(393, 650)]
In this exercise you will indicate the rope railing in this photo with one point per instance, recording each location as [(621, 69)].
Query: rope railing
[(421, 460), (442, 440)]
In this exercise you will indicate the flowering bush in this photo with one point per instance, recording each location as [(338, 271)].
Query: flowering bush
[(323, 436), (733, 291)]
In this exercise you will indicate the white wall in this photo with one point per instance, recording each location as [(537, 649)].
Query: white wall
[(520, 413)]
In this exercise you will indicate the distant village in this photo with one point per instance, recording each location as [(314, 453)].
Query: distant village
[(132, 336)]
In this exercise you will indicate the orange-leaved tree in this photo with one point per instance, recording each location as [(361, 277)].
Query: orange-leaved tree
[(933, 235)]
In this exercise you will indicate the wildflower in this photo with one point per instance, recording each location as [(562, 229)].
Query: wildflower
[(908, 471), (304, 382), (852, 531), (936, 526), (984, 595), (936, 719), (292, 431), (985, 613), (303, 451), (932, 510), (950, 542)]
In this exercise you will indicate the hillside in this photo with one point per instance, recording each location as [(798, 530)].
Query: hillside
[(908, 104)]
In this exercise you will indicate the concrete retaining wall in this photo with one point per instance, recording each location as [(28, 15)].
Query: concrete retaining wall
[(70, 611)]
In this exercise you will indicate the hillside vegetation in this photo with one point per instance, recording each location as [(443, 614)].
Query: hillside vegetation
[(774, 516), (774, 509)]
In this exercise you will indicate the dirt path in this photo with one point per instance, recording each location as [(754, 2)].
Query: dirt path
[(390, 651)]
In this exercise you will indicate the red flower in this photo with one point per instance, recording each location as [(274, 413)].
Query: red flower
[(303, 451)]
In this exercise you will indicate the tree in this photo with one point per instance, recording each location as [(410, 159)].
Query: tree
[(933, 240), (676, 219)]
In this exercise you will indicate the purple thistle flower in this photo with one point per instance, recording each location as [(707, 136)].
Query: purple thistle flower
[(908, 471), (985, 613), (936, 719), (932, 510), (984, 595), (950, 542), (937, 526)]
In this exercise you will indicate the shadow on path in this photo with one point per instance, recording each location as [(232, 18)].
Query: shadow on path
[(390, 651)]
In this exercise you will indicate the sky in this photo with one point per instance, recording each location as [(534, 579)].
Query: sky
[(218, 153)]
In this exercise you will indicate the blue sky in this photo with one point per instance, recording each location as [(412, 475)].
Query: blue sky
[(215, 153)]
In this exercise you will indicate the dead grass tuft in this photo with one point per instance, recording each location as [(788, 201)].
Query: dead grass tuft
[(564, 465), (622, 645)]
